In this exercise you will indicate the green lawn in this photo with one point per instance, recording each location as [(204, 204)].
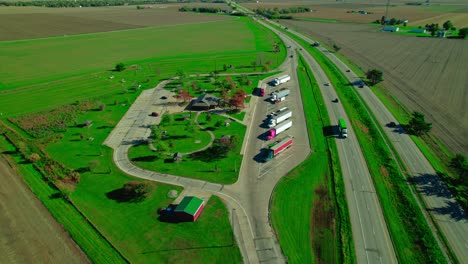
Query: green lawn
[(141, 237), (413, 240), (224, 170), (134, 228)]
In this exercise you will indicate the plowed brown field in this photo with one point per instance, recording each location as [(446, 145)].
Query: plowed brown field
[(34, 22), (416, 15), (28, 233), (425, 74)]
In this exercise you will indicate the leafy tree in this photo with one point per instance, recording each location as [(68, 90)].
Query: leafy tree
[(208, 117), (374, 76), (460, 164), (238, 99), (182, 75), (184, 95), (463, 32), (336, 47), (382, 20), (137, 190), (92, 165), (120, 67), (254, 65), (447, 25), (34, 157), (418, 125)]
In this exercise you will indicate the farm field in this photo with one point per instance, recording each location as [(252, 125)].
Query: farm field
[(37, 22), (24, 221), (416, 15), (34, 61), (424, 74)]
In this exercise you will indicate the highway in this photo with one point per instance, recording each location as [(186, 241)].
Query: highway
[(370, 234), (438, 201)]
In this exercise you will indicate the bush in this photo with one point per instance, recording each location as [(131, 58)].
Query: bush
[(120, 67)]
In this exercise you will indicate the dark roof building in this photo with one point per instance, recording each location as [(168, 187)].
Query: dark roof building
[(189, 208), (205, 102)]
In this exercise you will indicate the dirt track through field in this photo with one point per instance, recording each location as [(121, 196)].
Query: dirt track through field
[(425, 74), (28, 233)]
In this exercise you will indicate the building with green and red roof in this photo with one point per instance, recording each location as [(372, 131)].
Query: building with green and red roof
[(189, 208)]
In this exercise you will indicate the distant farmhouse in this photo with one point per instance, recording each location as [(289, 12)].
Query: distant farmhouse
[(418, 30), (390, 29)]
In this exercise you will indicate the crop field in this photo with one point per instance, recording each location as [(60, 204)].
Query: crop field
[(24, 219), (36, 22), (416, 15), (424, 74)]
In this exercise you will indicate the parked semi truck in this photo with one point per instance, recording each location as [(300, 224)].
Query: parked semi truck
[(280, 117), (279, 96), (343, 128), (272, 133), (277, 148), (281, 79)]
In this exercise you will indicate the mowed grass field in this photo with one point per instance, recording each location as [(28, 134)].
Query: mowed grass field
[(44, 73), (30, 62)]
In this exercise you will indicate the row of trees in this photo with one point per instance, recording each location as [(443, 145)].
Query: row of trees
[(79, 3), (202, 9), (277, 13)]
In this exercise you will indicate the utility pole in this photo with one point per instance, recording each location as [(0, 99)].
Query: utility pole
[(386, 12)]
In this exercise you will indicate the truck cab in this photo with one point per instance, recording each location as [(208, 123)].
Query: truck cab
[(262, 92)]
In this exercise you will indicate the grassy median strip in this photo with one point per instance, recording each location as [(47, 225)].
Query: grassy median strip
[(319, 189), (411, 235)]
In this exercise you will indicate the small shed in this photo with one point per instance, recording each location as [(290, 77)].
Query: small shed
[(189, 208), (177, 157), (205, 102)]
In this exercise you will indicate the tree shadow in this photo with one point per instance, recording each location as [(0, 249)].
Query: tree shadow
[(83, 170), (431, 185), (123, 196), (145, 158), (9, 152), (175, 137), (56, 195), (452, 209), (209, 155)]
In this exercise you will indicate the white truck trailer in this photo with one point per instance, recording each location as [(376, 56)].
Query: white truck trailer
[(281, 79), (274, 120), (272, 133), (279, 96)]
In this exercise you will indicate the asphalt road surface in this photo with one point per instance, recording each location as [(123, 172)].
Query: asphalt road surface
[(450, 217)]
